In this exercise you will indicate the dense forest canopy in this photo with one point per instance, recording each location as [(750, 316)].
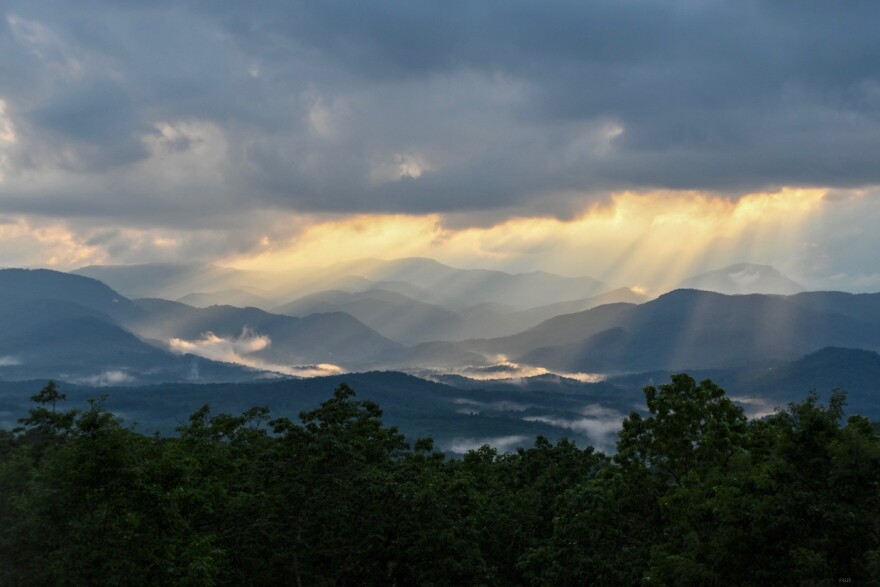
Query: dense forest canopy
[(695, 494)]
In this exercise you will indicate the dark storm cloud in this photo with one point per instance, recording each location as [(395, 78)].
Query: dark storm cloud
[(445, 106)]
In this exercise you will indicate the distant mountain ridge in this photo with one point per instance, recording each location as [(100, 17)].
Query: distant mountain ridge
[(423, 279), (55, 324), (89, 329), (409, 321), (685, 329), (58, 325), (474, 286), (763, 387), (227, 297), (336, 337), (34, 284), (743, 278)]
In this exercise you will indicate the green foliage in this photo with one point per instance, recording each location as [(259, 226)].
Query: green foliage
[(691, 428), (696, 495), (44, 423)]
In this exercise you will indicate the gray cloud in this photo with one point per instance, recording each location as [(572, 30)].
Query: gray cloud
[(187, 114)]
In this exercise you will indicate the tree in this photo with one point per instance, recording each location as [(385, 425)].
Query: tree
[(44, 422), (797, 505), (691, 427)]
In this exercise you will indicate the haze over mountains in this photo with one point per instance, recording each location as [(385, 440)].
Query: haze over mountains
[(687, 329), (252, 336), (743, 278), (580, 326), (410, 321), (425, 280), (469, 329), (56, 325)]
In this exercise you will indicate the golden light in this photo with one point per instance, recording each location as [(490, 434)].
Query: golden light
[(649, 240), (49, 245)]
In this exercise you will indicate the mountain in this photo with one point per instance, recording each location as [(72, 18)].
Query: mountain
[(67, 341), (461, 288), (743, 278), (406, 320), (44, 284), (253, 336), (227, 297), (560, 330), (334, 299), (855, 371), (71, 326), (489, 320), (525, 319), (424, 280), (760, 388), (394, 315), (684, 329), (864, 307)]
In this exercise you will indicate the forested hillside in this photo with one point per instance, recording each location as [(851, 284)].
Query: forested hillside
[(695, 494)]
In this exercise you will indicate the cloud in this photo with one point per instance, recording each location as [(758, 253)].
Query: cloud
[(600, 424), (217, 348), (500, 443), (221, 126), (755, 407), (319, 370), (434, 107), (635, 239), (107, 378), (241, 350), (9, 361), (501, 368)]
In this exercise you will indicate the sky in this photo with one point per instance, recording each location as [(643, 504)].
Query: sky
[(637, 141)]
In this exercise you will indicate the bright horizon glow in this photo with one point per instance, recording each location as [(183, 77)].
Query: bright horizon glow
[(647, 241)]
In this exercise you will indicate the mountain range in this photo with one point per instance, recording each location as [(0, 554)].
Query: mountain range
[(56, 325), (253, 335), (410, 321), (617, 331), (692, 329), (473, 331), (425, 280)]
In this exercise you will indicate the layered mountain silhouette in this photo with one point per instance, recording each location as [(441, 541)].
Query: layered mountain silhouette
[(226, 297), (33, 285), (424, 280), (406, 320), (425, 317), (244, 333), (56, 325), (72, 327), (397, 316), (687, 329), (762, 387), (462, 288)]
